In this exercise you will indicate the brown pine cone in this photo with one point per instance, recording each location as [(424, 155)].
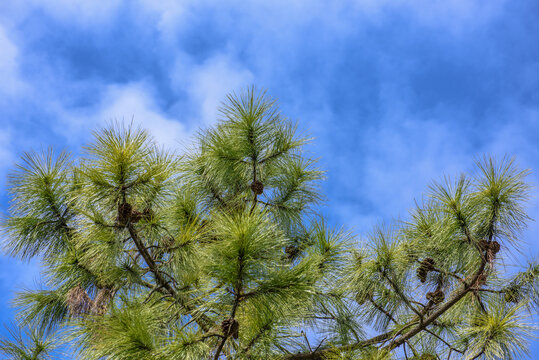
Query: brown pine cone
[(428, 263), (291, 252), (257, 187), (101, 301), (425, 266), (436, 297), (483, 244), (136, 216), (481, 280), (78, 301), (124, 213), (494, 247), (422, 274)]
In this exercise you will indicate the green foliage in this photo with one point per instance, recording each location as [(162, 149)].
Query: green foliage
[(40, 206), (499, 334), (219, 253), (29, 344)]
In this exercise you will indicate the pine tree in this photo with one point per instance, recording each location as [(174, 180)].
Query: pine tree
[(221, 253)]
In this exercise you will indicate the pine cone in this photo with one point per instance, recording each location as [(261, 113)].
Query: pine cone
[(124, 213), (78, 301), (483, 244), (257, 187), (422, 274), (291, 252), (230, 327), (436, 297), (136, 216), (428, 263), (101, 301), (494, 247)]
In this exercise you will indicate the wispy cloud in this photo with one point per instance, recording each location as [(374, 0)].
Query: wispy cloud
[(127, 103), (207, 84), (11, 83), (83, 12)]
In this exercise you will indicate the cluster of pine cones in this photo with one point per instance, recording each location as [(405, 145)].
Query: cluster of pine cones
[(291, 252), (126, 214), (491, 247), (79, 303), (426, 265), (436, 297)]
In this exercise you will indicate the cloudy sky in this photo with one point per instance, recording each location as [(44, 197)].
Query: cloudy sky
[(396, 92)]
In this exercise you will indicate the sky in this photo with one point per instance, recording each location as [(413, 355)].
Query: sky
[(395, 93)]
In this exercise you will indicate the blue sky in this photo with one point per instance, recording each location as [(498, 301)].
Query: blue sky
[(396, 92)]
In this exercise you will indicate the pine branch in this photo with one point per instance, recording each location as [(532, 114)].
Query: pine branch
[(455, 298), (381, 309), (204, 322), (238, 288), (320, 354)]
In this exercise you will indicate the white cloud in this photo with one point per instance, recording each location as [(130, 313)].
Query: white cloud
[(408, 150), (10, 83), (124, 103), (84, 12), (134, 101), (207, 84), (171, 15), (456, 15)]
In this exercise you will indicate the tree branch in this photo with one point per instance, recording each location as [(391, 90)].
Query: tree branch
[(458, 295), (205, 323), (321, 354)]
